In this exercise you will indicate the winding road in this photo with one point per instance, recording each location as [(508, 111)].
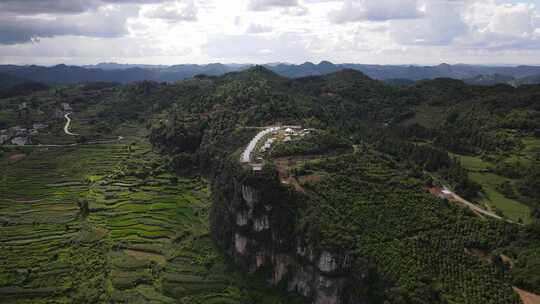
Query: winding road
[(66, 127)]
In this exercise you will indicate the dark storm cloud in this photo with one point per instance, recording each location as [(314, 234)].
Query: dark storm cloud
[(28, 20), (23, 29), (46, 6), (31, 7)]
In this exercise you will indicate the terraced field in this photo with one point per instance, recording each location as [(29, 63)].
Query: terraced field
[(109, 223)]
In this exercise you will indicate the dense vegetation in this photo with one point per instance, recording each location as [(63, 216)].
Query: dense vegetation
[(367, 207), (377, 148), (438, 238), (395, 74), (316, 142)]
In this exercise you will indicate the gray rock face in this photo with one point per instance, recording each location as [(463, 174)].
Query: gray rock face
[(262, 223), (240, 243), (259, 244), (327, 262), (249, 195), (242, 219)]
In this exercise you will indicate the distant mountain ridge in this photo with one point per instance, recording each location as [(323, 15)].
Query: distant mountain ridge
[(123, 73)]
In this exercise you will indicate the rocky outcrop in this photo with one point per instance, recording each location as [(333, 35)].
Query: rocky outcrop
[(253, 220)]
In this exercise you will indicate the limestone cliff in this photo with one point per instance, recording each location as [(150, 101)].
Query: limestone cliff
[(254, 221)]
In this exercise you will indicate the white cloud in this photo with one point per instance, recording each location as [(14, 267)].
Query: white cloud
[(296, 10), (258, 31), (443, 22), (241, 48), (379, 10), (254, 28), (173, 11), (514, 20), (503, 26), (262, 5)]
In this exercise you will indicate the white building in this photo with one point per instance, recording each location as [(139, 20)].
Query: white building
[(246, 155)]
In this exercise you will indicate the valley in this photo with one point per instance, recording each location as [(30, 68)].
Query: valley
[(256, 188), (269, 152)]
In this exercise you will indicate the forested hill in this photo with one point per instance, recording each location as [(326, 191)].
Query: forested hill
[(111, 72), (481, 141), (367, 182), (491, 122)]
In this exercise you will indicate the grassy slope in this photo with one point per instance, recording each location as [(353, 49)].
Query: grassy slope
[(144, 240), (510, 208)]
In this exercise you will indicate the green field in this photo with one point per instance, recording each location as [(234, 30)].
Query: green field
[(510, 208), (531, 150), (472, 163), (143, 237)]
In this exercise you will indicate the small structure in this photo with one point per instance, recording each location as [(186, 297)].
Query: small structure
[(18, 131), (446, 193), (263, 141), (66, 106), (20, 141), (246, 155), (39, 126)]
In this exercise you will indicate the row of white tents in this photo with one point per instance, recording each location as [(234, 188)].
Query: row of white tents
[(246, 155)]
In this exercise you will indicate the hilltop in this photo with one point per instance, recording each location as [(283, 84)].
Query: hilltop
[(353, 198), (124, 73)]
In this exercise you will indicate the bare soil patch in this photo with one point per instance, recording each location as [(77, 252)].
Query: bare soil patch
[(482, 255), (528, 297), (16, 157), (507, 260), (285, 164)]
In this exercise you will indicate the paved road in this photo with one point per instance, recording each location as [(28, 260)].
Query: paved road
[(66, 127)]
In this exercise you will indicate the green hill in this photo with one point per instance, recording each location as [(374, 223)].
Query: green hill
[(143, 202)]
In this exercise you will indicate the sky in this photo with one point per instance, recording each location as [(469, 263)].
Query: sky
[(49, 32)]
